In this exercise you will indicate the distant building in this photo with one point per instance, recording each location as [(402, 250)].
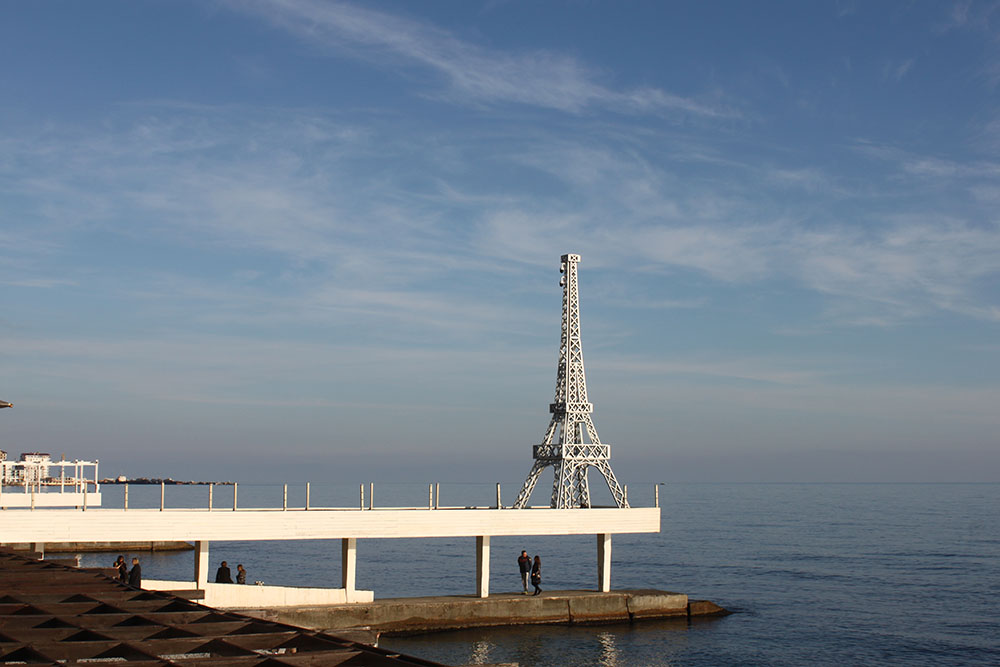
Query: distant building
[(36, 469), (35, 480)]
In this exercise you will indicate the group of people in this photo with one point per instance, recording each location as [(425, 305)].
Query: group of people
[(530, 568), (224, 576), (134, 577)]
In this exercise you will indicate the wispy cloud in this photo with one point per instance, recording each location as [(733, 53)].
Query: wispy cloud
[(475, 74), (931, 166), (896, 70), (42, 283), (285, 197)]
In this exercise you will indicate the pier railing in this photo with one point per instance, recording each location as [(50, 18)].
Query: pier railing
[(233, 497)]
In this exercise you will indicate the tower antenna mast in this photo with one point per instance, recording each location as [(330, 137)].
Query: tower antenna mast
[(571, 444)]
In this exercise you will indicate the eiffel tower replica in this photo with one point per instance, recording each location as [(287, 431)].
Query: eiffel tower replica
[(571, 444)]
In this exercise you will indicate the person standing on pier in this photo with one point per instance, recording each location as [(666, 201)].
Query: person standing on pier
[(524, 563), (222, 575), (241, 574), (135, 576), (122, 568), (536, 574)]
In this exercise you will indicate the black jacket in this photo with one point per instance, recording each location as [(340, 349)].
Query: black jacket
[(135, 576), (222, 576)]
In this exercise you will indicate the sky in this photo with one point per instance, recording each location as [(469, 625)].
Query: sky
[(300, 240)]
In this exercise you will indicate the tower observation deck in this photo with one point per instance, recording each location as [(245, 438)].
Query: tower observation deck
[(571, 444)]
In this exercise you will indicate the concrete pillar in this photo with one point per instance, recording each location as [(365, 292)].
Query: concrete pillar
[(483, 566), (200, 563), (348, 565), (38, 548), (604, 562)]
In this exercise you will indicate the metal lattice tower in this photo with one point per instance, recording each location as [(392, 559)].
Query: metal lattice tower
[(571, 444)]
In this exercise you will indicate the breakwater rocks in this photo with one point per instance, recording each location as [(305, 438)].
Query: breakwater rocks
[(160, 480), (429, 614)]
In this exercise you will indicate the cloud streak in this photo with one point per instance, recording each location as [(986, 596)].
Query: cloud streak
[(294, 192), (475, 74)]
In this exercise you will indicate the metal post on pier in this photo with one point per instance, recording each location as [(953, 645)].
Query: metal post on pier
[(656, 495), (625, 494), (284, 498), (235, 490), (163, 487), (307, 496), (437, 495), (371, 495), (499, 506), (362, 492), (126, 497), (211, 491), (430, 496), (85, 485)]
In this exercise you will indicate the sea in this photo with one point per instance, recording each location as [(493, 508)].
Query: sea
[(828, 574)]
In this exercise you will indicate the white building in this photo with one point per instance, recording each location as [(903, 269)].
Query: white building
[(36, 480), (34, 468)]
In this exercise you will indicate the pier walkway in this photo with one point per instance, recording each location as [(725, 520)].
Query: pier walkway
[(202, 526)]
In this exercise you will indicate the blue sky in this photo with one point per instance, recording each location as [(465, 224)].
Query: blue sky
[(320, 240)]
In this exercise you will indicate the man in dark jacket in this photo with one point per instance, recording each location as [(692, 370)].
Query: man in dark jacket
[(135, 576), (222, 575), (524, 562)]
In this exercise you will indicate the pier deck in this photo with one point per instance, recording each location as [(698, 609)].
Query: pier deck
[(348, 525)]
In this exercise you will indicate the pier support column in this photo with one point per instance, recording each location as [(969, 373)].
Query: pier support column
[(348, 566), (604, 562), (200, 563), (483, 566), (38, 548)]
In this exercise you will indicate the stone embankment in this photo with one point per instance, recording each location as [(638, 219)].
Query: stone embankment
[(430, 614)]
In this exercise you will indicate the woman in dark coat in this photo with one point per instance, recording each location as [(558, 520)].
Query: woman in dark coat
[(122, 569), (536, 574)]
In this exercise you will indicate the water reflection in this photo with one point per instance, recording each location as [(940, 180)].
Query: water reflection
[(649, 643), (610, 655), (480, 654)]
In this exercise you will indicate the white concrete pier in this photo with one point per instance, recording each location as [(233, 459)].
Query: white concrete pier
[(201, 527)]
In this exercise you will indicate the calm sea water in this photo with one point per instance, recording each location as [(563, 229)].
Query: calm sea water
[(816, 573)]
